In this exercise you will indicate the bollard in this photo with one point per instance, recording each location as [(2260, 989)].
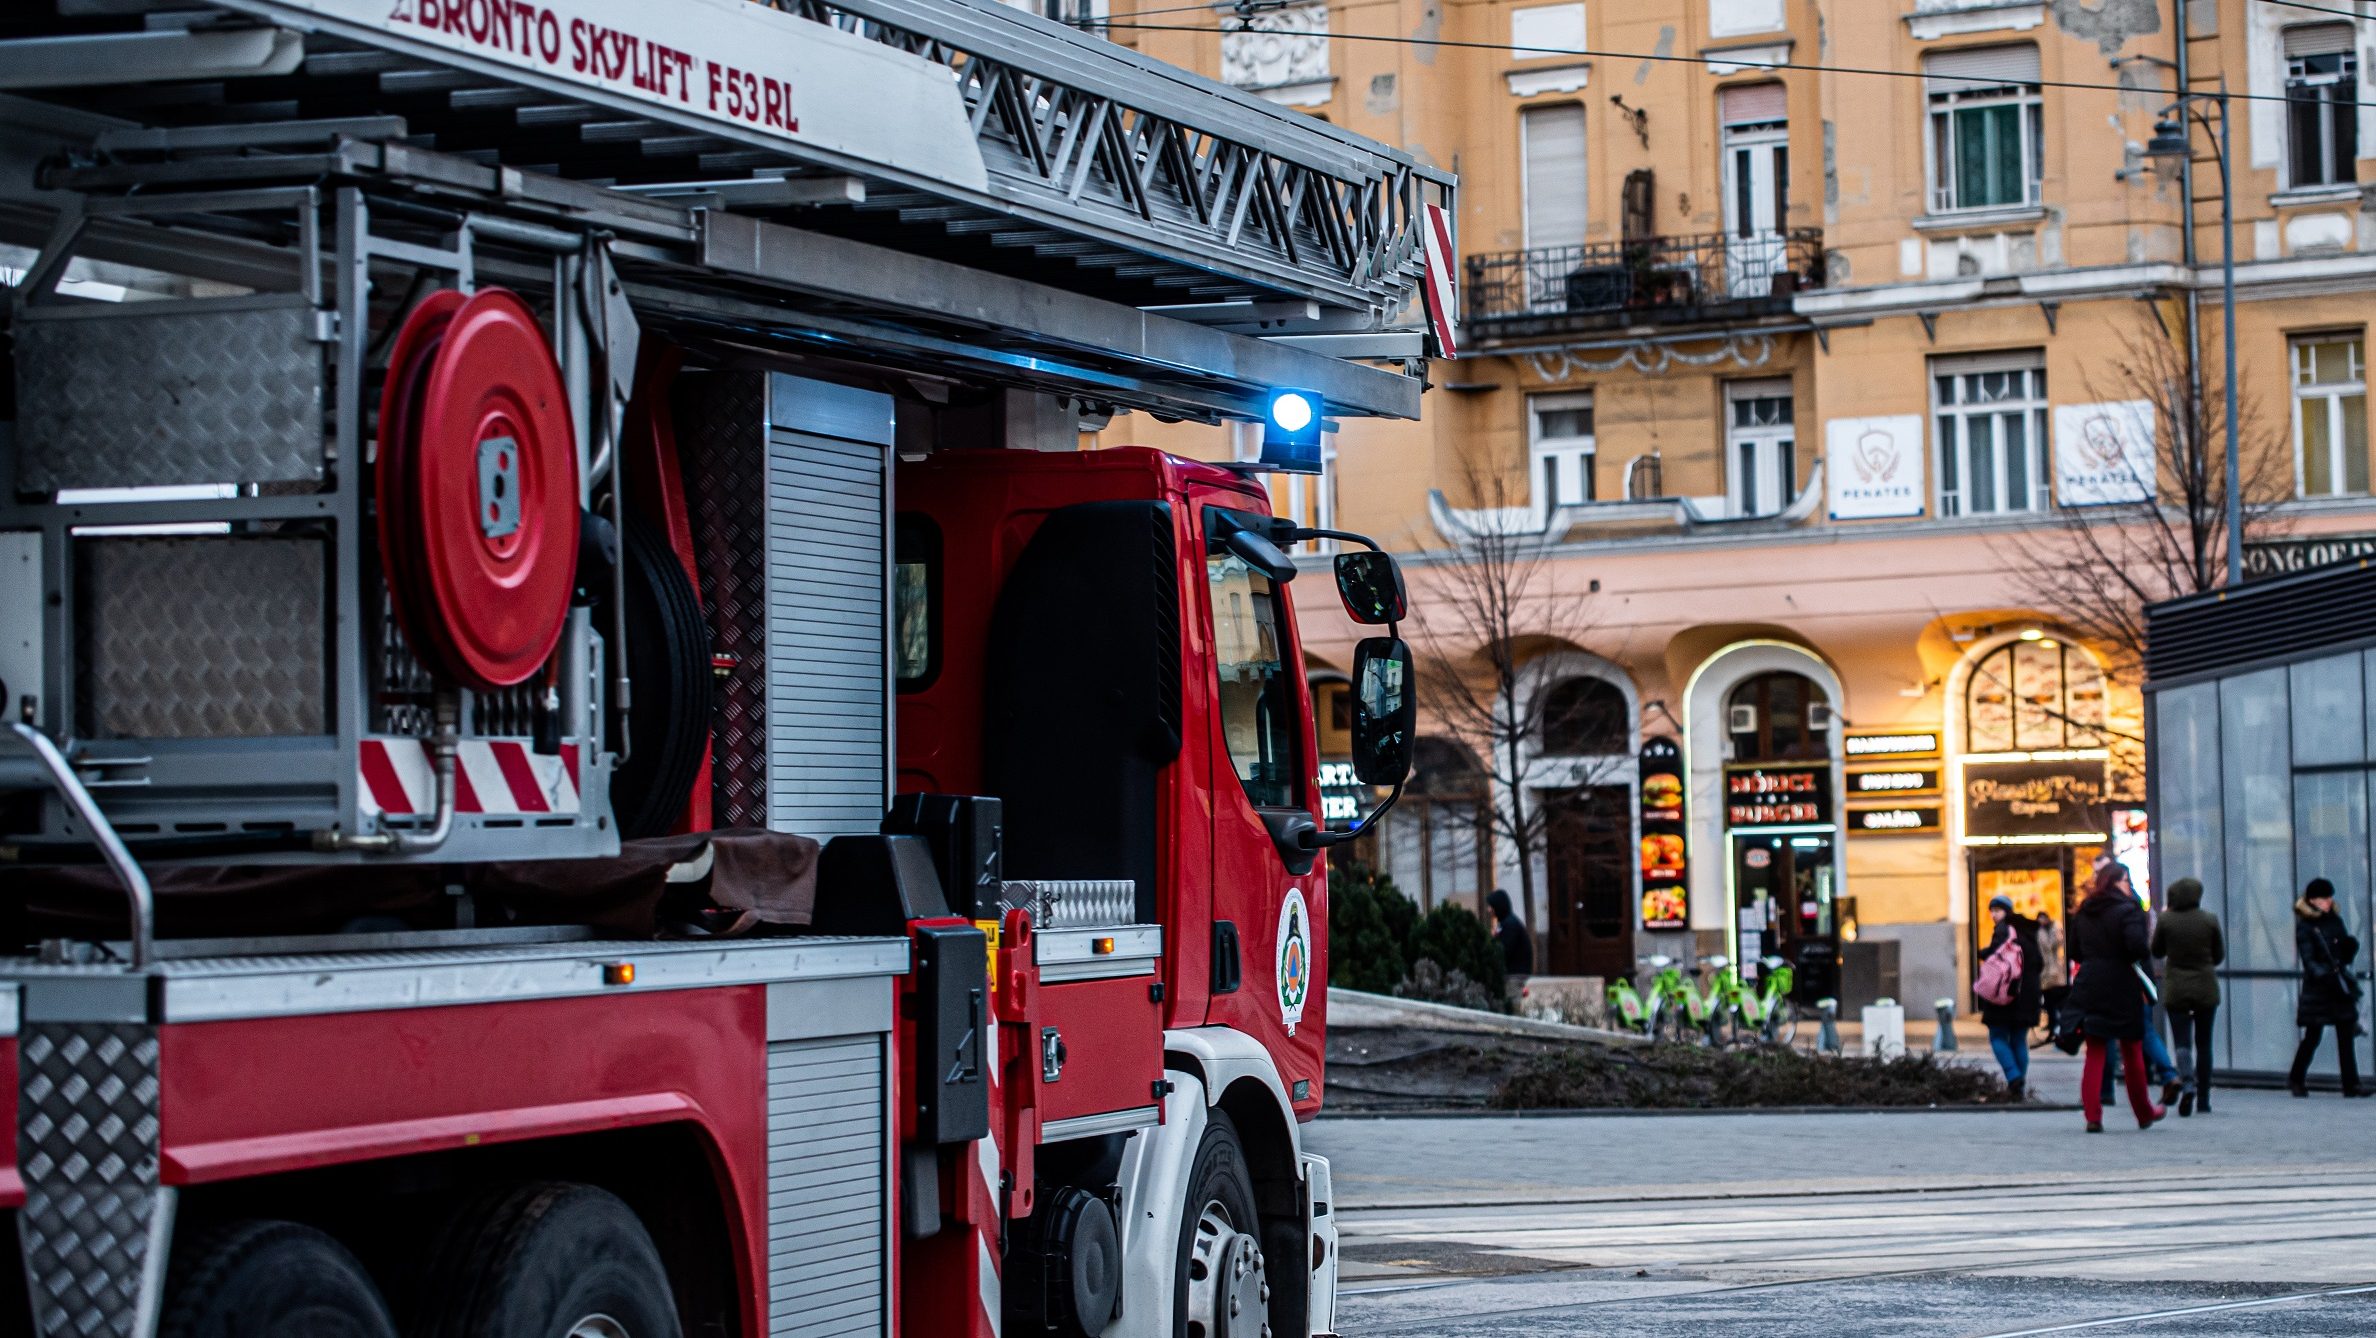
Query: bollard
[(1946, 1040), (1827, 1040)]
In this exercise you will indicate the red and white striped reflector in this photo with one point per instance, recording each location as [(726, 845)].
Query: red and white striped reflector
[(498, 776), (1442, 288)]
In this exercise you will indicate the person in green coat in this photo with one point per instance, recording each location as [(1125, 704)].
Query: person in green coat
[(2187, 937)]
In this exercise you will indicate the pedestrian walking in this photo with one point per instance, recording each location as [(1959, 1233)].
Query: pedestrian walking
[(2188, 940), (2007, 989), (2108, 939), (1516, 944), (2054, 979), (2330, 992)]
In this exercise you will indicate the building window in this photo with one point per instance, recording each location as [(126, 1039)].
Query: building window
[(1760, 448), (2330, 415), (1991, 415), (1987, 128), (1551, 175), (1585, 717), (1437, 843), (2321, 105), (1559, 435), (2032, 694), (1778, 717)]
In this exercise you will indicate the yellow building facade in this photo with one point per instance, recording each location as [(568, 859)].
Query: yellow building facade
[(1800, 337)]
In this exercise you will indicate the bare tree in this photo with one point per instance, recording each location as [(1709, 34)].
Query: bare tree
[(2097, 567), (1491, 622)]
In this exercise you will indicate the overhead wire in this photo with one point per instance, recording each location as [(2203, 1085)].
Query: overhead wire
[(1593, 53)]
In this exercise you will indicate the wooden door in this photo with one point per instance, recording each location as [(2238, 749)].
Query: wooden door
[(1590, 883)]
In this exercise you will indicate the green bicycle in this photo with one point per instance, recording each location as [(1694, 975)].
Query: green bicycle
[(1701, 1012), (1633, 1009), (1766, 1012)]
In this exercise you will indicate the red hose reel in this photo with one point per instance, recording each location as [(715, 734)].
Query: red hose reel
[(478, 488)]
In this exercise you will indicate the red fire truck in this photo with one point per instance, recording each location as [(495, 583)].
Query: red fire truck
[(585, 755)]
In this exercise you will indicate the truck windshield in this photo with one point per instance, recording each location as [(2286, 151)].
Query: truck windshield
[(1257, 690)]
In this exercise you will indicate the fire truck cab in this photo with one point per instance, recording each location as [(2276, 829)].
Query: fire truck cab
[(585, 755)]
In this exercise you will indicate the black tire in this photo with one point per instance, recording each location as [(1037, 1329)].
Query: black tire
[(540, 1260), (1219, 1176), (269, 1280)]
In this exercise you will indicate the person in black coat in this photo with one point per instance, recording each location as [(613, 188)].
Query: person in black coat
[(2009, 1023), (1516, 944), (2109, 937), (2330, 993)]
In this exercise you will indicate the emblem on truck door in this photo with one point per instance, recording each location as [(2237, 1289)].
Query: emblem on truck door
[(1294, 965)]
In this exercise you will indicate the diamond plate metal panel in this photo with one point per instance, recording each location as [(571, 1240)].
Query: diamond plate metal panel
[(168, 396), (721, 430), (201, 638), (94, 1222)]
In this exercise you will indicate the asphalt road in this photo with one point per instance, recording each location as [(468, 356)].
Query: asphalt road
[(2259, 1220)]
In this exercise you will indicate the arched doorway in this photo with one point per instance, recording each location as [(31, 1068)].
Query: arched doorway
[(2030, 740), (1781, 839), (1588, 883), (1767, 876), (1437, 843)]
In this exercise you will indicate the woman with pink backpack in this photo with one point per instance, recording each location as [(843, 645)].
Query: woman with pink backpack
[(2007, 986)]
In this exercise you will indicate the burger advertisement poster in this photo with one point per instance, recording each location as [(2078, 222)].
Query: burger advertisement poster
[(1666, 883)]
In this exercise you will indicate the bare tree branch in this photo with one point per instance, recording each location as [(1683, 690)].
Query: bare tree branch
[(1491, 620)]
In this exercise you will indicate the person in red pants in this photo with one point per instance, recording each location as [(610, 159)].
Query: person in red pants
[(2109, 939)]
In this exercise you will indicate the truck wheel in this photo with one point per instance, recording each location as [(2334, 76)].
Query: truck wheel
[(269, 1280), (547, 1261), (1221, 1288)]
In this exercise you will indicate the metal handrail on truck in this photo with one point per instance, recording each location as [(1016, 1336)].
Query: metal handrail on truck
[(142, 904)]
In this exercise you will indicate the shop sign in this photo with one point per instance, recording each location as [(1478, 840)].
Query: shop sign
[(1897, 781), (2284, 557), (1778, 796), (2103, 453), (1912, 819), (2015, 799), (1344, 800), (1666, 871), (1874, 745), (1874, 466)]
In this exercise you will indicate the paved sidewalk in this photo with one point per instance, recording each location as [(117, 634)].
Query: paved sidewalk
[(1999, 1222)]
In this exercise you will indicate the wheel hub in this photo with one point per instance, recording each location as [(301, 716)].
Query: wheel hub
[(1228, 1291)]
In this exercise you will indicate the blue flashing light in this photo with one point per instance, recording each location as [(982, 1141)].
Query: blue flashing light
[(1292, 411)]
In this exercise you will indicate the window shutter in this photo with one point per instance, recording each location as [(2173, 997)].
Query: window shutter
[(1555, 182), (1980, 67), (1753, 104), (2011, 360), (2318, 39)]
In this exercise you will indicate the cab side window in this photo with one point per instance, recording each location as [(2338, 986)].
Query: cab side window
[(1260, 715)]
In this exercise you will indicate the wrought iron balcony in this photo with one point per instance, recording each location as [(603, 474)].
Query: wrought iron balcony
[(1663, 280)]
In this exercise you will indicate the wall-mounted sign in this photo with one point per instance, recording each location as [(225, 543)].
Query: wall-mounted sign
[(1344, 800), (1778, 796), (1893, 781), (1906, 820), (1666, 884), (2014, 800), (1875, 745), (2284, 557), (2103, 453), (1874, 466)]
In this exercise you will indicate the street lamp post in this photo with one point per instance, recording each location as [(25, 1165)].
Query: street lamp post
[(2172, 140)]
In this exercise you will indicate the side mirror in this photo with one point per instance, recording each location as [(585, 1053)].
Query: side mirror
[(1260, 554), (1371, 584), (1385, 710)]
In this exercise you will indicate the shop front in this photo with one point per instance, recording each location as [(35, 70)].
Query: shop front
[(2033, 825), (1782, 846)]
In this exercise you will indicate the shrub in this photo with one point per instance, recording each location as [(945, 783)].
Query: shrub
[(1369, 929), (1457, 941)]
